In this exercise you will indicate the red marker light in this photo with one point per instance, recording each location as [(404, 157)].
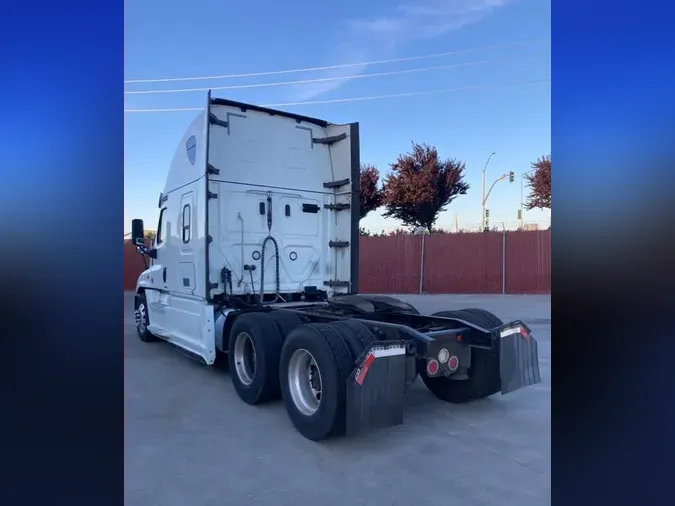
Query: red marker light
[(432, 367), (453, 363)]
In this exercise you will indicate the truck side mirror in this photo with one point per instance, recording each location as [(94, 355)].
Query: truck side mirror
[(137, 232)]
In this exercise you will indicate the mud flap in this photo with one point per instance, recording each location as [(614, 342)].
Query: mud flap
[(518, 357), (375, 388)]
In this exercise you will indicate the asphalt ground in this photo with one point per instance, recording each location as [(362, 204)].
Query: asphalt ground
[(190, 441)]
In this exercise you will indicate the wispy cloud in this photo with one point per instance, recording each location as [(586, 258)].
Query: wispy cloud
[(344, 53), (378, 37)]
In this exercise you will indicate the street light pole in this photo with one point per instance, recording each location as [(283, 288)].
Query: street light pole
[(500, 178), (511, 175), (482, 216)]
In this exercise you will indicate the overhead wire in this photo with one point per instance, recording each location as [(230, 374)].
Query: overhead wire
[(356, 99), (338, 66), (309, 81)]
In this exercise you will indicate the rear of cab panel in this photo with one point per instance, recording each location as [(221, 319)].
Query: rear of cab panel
[(269, 162)]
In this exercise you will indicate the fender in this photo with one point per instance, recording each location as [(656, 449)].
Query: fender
[(364, 303), (150, 278), (224, 320)]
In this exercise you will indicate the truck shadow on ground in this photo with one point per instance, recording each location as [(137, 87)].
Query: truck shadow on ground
[(421, 407), (422, 411)]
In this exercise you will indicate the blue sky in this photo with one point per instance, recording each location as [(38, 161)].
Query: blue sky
[(165, 39)]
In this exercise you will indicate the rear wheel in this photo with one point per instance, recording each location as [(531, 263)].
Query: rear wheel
[(355, 334), (253, 355), (285, 321), (483, 379), (315, 362), (489, 319)]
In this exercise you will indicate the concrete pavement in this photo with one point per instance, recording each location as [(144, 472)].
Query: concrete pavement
[(191, 442)]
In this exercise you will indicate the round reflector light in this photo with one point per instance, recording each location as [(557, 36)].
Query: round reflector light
[(432, 367), (443, 356), (453, 363)]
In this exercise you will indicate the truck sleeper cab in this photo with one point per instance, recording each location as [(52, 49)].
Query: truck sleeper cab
[(256, 261)]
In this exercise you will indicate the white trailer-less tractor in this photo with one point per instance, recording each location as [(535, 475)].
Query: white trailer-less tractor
[(256, 262)]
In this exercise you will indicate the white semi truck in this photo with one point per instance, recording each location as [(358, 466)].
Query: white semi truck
[(256, 262)]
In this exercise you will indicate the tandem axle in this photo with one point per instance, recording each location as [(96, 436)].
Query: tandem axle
[(343, 365)]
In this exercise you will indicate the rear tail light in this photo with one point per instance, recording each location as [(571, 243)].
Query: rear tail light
[(432, 367), (453, 363)]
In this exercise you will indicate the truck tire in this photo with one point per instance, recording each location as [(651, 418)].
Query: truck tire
[(490, 320), (314, 366), (355, 334), (285, 321), (483, 374), (142, 319), (254, 348)]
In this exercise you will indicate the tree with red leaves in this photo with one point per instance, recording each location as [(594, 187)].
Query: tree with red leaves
[(540, 184), (421, 185), (371, 195)]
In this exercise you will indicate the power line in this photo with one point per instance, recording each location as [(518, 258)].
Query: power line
[(359, 99), (309, 81), (339, 66), (397, 95)]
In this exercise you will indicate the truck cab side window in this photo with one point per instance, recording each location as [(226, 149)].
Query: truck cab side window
[(186, 223), (160, 228)]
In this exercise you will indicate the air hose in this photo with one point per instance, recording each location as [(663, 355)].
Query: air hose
[(262, 254)]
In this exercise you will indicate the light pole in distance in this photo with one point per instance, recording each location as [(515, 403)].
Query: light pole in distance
[(511, 177), (482, 215)]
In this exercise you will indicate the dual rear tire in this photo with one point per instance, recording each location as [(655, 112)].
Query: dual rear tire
[(253, 356), (274, 355)]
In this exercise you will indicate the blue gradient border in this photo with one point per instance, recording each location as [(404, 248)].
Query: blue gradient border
[(62, 199), (612, 128), (61, 205)]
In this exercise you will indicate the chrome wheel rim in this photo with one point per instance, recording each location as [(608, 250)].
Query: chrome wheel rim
[(141, 318), (244, 358), (304, 382)]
